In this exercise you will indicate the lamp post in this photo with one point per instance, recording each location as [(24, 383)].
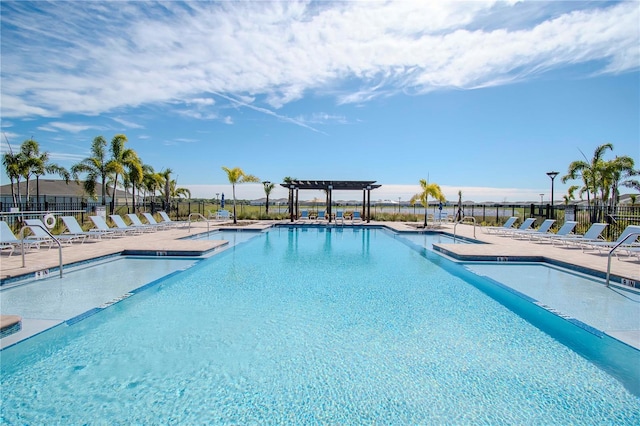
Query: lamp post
[(398, 205), (552, 175), (217, 193)]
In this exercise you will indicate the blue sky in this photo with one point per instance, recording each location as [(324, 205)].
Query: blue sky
[(482, 96)]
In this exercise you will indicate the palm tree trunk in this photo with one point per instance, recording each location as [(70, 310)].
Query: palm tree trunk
[(235, 221)]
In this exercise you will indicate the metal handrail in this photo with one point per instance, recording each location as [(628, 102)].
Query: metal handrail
[(473, 219), (614, 249), (48, 233), (198, 214)]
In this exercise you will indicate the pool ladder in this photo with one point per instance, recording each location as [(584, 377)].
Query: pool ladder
[(611, 253), (50, 235), (198, 214), (471, 218)]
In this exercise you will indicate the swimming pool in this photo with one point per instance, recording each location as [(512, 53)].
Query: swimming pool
[(313, 326)]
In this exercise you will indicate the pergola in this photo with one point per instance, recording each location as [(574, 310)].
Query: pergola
[(329, 186)]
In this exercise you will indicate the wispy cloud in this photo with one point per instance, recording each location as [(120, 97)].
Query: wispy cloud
[(278, 52), (127, 123), (56, 126)]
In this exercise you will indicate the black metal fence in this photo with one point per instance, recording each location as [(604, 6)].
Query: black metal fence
[(617, 218)]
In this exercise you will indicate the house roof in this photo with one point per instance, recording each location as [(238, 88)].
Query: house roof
[(51, 188)]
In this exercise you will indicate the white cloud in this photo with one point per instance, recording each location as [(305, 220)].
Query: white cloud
[(56, 126), (276, 52), (127, 123)]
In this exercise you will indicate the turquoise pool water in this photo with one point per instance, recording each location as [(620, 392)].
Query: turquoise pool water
[(310, 326)]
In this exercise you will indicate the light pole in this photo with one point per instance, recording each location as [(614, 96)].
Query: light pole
[(398, 205), (217, 193), (552, 175)]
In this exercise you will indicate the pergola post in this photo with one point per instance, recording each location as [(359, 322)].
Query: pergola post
[(329, 195), (291, 202), (368, 203)]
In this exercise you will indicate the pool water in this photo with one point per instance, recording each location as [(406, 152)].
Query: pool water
[(315, 326)]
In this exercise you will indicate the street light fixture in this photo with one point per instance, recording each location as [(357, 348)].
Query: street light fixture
[(552, 175)]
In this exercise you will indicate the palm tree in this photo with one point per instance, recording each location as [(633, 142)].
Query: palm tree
[(152, 181), (235, 176), (268, 187), (96, 167), (592, 174), (166, 175), (619, 169), (31, 162), (133, 177), (11, 163), (42, 166), (428, 189), (121, 158), (176, 192)]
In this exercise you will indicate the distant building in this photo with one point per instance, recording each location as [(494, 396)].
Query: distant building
[(54, 191)]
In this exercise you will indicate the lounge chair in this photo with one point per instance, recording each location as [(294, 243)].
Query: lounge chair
[(120, 224), (304, 215), (223, 215), (631, 251), (355, 217), (528, 222), (507, 225), (8, 239), (166, 219), (101, 225), (529, 233), (593, 234), (137, 223), (74, 228), (7, 247), (39, 230), (566, 229), (152, 221), (321, 215), (626, 239), (339, 217)]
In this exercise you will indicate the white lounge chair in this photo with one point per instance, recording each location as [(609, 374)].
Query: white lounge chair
[(304, 214), (566, 229), (223, 215), (74, 228), (321, 215), (101, 225), (528, 222), (137, 223), (627, 239), (507, 225), (40, 232), (166, 219), (529, 233), (152, 221), (593, 234), (8, 239), (339, 217), (121, 224)]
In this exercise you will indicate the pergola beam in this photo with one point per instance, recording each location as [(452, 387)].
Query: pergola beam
[(329, 186)]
